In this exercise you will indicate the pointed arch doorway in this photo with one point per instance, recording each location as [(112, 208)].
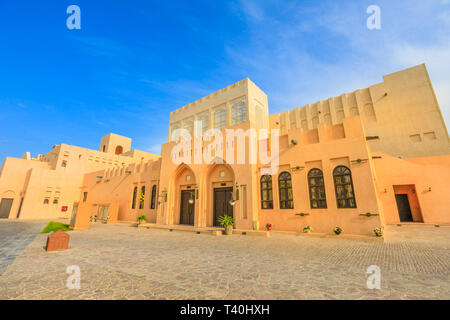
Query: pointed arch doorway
[(219, 183), (221, 204), (187, 207)]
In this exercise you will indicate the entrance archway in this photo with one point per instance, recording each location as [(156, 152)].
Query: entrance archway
[(184, 196), (219, 183)]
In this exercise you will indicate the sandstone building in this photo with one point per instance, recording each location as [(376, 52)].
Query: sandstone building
[(376, 156)]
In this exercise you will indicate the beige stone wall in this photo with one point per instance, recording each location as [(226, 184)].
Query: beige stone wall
[(368, 131), (402, 112), (332, 146), (49, 182), (117, 185)]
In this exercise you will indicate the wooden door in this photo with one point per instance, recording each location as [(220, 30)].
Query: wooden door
[(222, 206), (5, 208), (404, 209), (187, 210)]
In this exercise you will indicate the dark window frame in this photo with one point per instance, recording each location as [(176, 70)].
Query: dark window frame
[(153, 199), (317, 175), (347, 200), (133, 202), (142, 202), (266, 179), (285, 204)]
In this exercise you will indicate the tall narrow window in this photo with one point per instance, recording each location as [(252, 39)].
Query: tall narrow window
[(173, 129), (142, 198), (238, 112), (85, 194), (189, 126), (153, 200), (204, 120), (316, 185), (285, 189), (244, 202), (266, 192), (343, 184), (133, 201), (220, 119)]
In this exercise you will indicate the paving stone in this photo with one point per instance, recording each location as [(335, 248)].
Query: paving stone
[(119, 262)]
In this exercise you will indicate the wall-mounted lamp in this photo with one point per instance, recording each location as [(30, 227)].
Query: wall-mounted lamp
[(429, 189), (359, 161), (368, 214), (297, 168), (302, 214), (294, 142), (232, 202)]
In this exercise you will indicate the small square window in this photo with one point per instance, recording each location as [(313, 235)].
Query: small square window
[(46, 201), (64, 164), (55, 201)]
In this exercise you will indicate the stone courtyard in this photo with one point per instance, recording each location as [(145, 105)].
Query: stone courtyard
[(124, 262)]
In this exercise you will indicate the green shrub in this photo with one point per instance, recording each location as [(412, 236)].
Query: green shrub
[(226, 220), (53, 226)]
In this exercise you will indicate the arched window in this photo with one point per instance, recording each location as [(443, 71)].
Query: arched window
[(153, 201), (316, 185), (142, 198), (133, 201), (285, 189), (266, 192), (119, 150), (343, 185)]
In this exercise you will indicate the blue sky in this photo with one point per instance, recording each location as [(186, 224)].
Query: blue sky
[(134, 61)]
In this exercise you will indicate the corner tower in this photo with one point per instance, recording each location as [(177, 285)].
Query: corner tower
[(115, 144)]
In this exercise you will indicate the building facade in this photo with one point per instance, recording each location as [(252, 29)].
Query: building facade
[(376, 156)]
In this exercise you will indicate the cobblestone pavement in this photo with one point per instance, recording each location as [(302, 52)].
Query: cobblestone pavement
[(15, 236), (122, 262)]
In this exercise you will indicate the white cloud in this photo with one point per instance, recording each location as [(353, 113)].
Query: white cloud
[(312, 53)]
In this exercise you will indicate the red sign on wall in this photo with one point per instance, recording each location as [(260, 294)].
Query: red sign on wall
[(64, 208)]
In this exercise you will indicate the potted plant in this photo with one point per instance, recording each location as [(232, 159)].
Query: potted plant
[(227, 222), (93, 219), (269, 227), (142, 219), (307, 229), (338, 230), (378, 232)]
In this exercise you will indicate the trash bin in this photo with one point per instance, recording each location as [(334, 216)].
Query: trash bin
[(57, 241)]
